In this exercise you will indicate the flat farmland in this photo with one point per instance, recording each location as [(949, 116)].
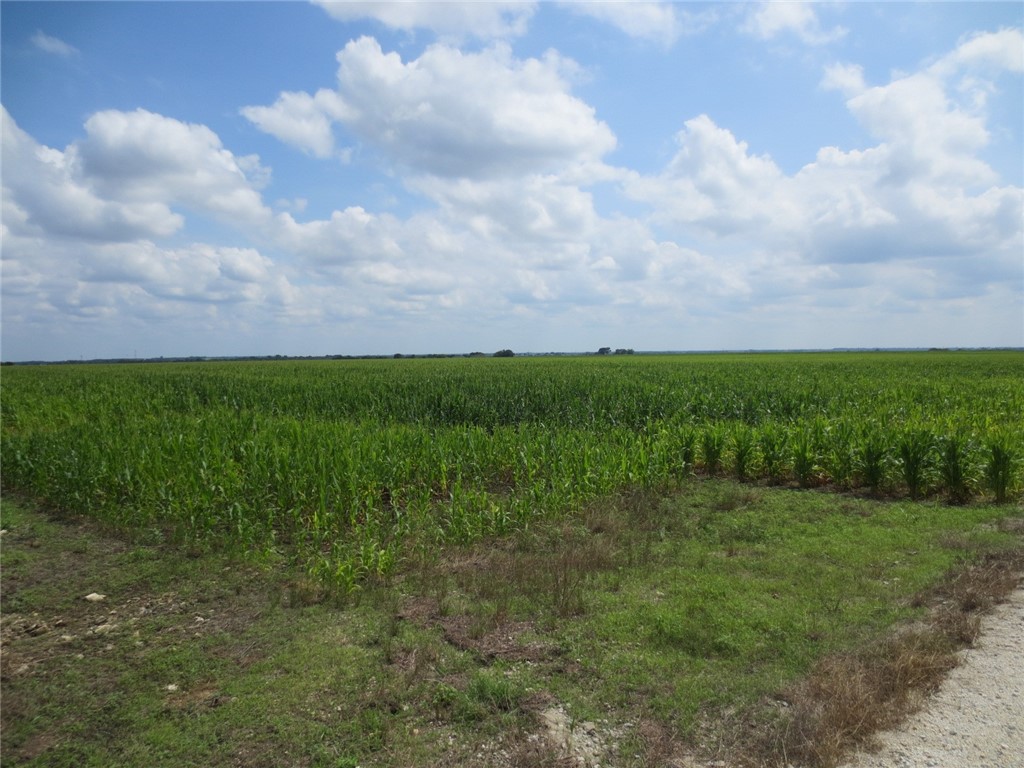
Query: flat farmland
[(534, 561), (347, 462)]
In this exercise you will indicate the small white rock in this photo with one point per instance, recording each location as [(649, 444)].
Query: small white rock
[(95, 597), (172, 687)]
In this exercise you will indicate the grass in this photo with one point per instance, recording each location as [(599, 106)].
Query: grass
[(678, 620)]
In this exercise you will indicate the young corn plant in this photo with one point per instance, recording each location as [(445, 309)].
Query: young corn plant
[(772, 443), (840, 453), (872, 456), (688, 449), (712, 442), (741, 439), (955, 467), (915, 448), (1000, 460), (804, 459)]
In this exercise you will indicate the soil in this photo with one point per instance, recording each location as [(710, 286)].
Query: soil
[(977, 717)]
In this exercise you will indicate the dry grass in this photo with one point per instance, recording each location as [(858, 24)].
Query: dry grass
[(849, 697)]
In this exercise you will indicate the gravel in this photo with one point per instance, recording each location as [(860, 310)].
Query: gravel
[(976, 719)]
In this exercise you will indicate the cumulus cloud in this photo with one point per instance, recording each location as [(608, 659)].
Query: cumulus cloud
[(449, 20), (348, 236), (771, 19), (714, 183), (143, 156), (1002, 50), (199, 272), (658, 22), (535, 208), (46, 192), (302, 120), (923, 191), (123, 180), (451, 113), (847, 78)]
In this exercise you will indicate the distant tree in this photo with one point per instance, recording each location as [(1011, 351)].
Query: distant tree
[(504, 353), (604, 350), (623, 351)]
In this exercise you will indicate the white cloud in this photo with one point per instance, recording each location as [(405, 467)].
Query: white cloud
[(53, 45), (46, 192), (845, 78), (141, 156), (302, 120), (713, 182), (199, 272), (348, 236), (775, 17), (451, 113), (532, 209), (933, 123), (1002, 50), (659, 22), (449, 20), (922, 196)]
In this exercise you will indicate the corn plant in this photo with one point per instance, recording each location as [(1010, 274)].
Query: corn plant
[(840, 452), (872, 457), (772, 442), (742, 442), (803, 455), (1001, 459), (915, 447), (687, 448), (712, 442), (955, 467)]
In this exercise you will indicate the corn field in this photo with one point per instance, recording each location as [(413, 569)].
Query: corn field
[(349, 466)]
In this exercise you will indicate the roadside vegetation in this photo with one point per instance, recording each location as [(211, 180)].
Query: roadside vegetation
[(507, 562)]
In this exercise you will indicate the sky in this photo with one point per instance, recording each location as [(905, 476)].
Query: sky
[(292, 178)]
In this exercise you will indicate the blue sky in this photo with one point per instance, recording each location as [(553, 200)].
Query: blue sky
[(369, 178)]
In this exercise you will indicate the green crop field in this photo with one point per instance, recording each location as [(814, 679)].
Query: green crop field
[(756, 558), (350, 466)]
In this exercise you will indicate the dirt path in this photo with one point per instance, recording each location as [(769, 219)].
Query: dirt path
[(976, 720)]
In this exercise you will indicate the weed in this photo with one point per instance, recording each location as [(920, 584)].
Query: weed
[(494, 691)]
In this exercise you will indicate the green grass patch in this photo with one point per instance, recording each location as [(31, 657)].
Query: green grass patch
[(665, 617)]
